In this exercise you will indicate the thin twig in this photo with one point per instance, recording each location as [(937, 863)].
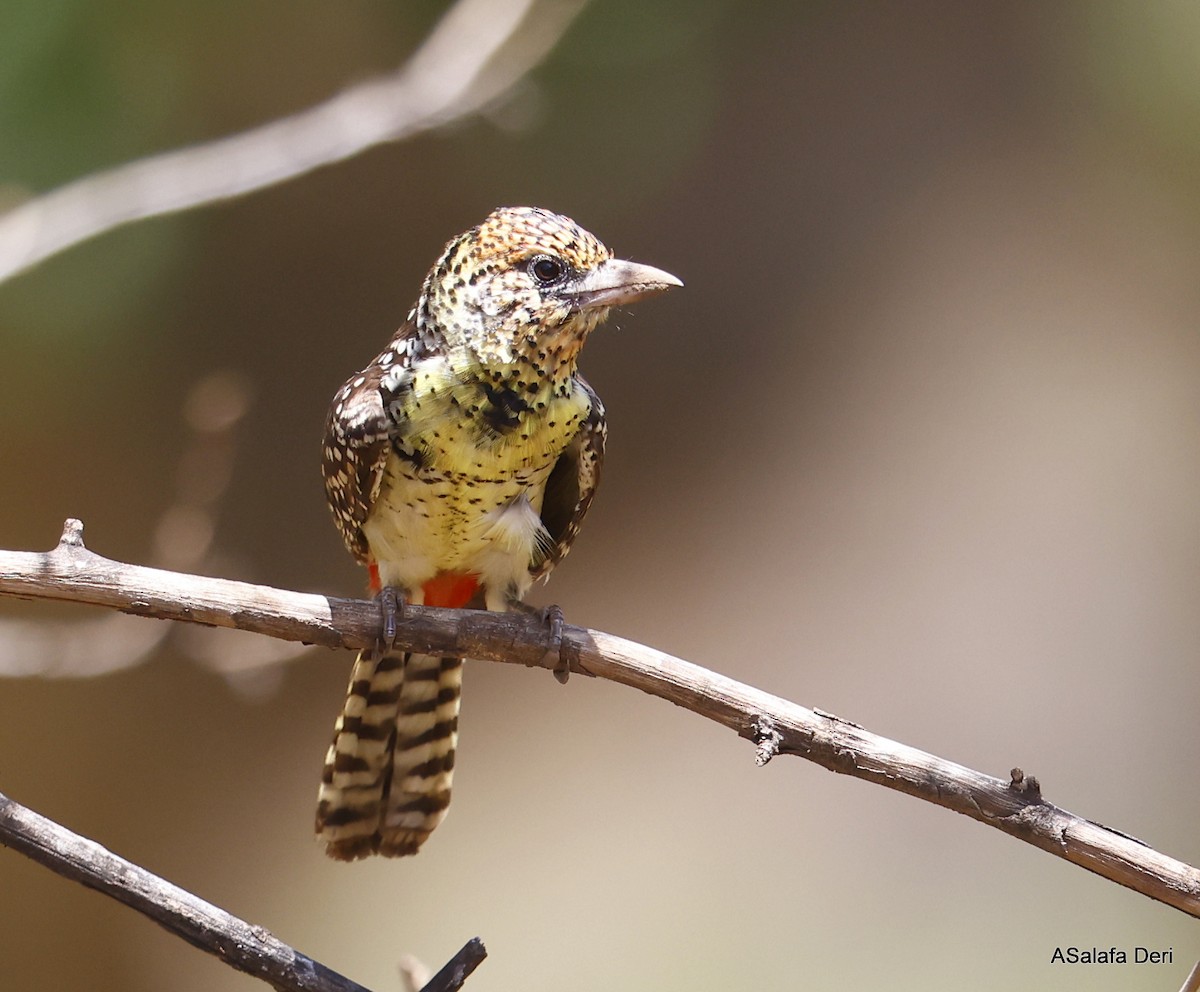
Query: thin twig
[(458, 968), (456, 71), (774, 725)]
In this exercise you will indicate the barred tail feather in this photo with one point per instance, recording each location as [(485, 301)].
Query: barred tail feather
[(386, 783), (423, 756), (358, 763)]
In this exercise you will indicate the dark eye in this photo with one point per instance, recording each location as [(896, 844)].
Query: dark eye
[(546, 269)]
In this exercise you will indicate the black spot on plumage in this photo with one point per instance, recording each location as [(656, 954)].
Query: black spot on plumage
[(505, 409), (413, 456)]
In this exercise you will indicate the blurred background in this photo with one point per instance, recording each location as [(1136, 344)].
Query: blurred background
[(917, 445)]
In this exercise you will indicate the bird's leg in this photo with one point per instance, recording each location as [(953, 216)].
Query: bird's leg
[(552, 617), (391, 608)]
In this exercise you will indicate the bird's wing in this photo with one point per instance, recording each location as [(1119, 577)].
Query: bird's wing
[(358, 437), (572, 484)]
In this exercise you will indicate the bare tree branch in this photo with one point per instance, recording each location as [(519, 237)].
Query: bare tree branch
[(458, 969), (244, 946), (774, 725), (1192, 982), (458, 70)]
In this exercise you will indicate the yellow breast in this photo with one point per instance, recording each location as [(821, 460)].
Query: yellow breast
[(469, 498)]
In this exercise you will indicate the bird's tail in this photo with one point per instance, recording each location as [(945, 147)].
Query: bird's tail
[(386, 782)]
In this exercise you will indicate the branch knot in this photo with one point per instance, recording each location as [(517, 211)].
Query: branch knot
[(768, 738), (72, 535)]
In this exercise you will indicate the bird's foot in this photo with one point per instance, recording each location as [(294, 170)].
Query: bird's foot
[(552, 617), (391, 608)]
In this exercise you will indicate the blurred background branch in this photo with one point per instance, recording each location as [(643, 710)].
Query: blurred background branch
[(477, 52), (183, 539), (241, 945), (776, 726)]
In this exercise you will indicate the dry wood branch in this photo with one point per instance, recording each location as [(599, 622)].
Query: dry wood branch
[(239, 944), (458, 968), (774, 725), (477, 52), (1192, 982)]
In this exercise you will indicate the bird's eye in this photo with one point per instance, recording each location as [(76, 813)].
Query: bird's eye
[(546, 269)]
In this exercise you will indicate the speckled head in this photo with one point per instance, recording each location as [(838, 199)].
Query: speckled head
[(526, 287)]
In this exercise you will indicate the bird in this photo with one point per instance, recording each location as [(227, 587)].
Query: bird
[(458, 466)]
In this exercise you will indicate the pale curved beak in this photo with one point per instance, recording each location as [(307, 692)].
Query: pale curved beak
[(616, 282)]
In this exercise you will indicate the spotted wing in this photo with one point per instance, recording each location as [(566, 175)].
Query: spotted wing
[(358, 437), (572, 484)]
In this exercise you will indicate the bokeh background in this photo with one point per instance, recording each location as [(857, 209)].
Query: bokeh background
[(916, 445)]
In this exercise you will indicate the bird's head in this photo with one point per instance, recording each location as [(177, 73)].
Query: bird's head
[(527, 286)]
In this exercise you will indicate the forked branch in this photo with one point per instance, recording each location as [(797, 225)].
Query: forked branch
[(241, 945), (774, 725)]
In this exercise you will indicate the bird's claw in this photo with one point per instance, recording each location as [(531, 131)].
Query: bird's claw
[(552, 616), (391, 607)]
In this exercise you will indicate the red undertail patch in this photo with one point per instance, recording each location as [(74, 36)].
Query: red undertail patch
[(451, 589)]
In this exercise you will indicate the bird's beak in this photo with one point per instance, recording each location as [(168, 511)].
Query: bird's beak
[(616, 282)]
